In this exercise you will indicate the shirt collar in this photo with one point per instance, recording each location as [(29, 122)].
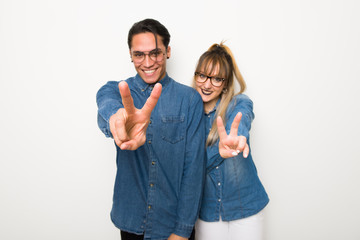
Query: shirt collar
[(214, 109), (140, 83)]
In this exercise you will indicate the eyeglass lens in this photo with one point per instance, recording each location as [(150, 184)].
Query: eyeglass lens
[(154, 55)]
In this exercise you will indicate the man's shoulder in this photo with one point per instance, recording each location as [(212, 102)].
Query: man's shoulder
[(115, 83), (181, 85), (184, 88)]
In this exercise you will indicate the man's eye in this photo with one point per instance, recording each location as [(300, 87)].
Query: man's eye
[(138, 54), (155, 53)]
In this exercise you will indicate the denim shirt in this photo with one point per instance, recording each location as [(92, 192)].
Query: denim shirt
[(232, 187), (158, 187)]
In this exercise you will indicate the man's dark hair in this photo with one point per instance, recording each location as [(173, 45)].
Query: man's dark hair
[(150, 25)]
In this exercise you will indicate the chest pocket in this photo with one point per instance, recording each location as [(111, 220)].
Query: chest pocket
[(173, 128)]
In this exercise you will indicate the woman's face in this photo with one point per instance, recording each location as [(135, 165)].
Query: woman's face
[(209, 93)]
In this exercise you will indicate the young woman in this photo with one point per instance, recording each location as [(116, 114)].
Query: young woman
[(233, 194)]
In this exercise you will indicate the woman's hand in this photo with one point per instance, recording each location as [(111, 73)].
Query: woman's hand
[(231, 145)]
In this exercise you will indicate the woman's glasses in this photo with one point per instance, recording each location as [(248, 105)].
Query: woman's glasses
[(215, 81)]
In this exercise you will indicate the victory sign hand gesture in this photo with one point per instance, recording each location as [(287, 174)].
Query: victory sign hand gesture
[(231, 145), (128, 125)]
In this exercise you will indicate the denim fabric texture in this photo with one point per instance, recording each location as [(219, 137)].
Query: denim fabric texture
[(158, 187), (232, 188)]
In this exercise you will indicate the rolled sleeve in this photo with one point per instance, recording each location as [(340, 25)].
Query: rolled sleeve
[(183, 229)]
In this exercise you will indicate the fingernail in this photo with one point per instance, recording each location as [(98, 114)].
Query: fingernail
[(238, 151), (234, 153)]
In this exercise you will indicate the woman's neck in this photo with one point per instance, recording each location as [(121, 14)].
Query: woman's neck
[(209, 106)]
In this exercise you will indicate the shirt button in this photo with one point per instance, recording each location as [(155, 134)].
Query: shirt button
[(149, 141), (151, 184), (150, 121), (217, 167), (208, 116), (152, 163), (219, 200), (149, 207), (219, 184)]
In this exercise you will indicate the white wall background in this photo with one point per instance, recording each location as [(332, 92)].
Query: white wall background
[(302, 66)]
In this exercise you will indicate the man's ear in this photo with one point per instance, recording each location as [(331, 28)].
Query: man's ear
[(130, 55), (168, 52)]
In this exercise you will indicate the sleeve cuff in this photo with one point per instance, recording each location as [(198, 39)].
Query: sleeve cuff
[(183, 230)]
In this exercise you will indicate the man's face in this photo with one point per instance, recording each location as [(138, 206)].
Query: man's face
[(153, 66)]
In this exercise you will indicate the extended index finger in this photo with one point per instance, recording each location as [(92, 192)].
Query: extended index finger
[(235, 124), (152, 100), (127, 100), (221, 129)]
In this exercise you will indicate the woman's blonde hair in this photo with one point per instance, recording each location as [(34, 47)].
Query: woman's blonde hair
[(219, 55)]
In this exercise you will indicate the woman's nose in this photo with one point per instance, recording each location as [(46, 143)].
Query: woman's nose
[(207, 83)]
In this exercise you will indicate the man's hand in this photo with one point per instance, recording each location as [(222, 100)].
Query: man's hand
[(128, 125), (176, 237), (231, 145)]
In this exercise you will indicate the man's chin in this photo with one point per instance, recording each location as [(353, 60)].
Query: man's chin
[(151, 80)]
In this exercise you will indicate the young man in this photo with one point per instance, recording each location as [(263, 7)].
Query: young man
[(159, 132)]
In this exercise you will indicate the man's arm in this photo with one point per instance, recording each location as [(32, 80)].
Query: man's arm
[(193, 171), (108, 100)]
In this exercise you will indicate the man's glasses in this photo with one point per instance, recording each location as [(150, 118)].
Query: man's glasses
[(156, 55), (215, 81)]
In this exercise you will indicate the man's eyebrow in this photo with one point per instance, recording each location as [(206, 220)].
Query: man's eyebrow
[(155, 49)]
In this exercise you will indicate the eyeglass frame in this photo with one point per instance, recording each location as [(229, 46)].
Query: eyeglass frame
[(148, 54), (197, 74)]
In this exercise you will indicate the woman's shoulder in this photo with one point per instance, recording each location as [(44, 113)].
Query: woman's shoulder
[(240, 100), (240, 103)]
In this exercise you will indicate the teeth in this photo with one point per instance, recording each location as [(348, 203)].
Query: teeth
[(149, 71)]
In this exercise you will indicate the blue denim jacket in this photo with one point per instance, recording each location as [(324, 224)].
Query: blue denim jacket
[(232, 187), (158, 187)]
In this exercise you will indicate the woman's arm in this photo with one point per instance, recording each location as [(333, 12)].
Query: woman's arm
[(240, 103)]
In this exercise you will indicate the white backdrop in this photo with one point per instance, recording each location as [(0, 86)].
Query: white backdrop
[(300, 60)]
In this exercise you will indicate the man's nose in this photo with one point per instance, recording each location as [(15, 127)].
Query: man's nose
[(148, 61)]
